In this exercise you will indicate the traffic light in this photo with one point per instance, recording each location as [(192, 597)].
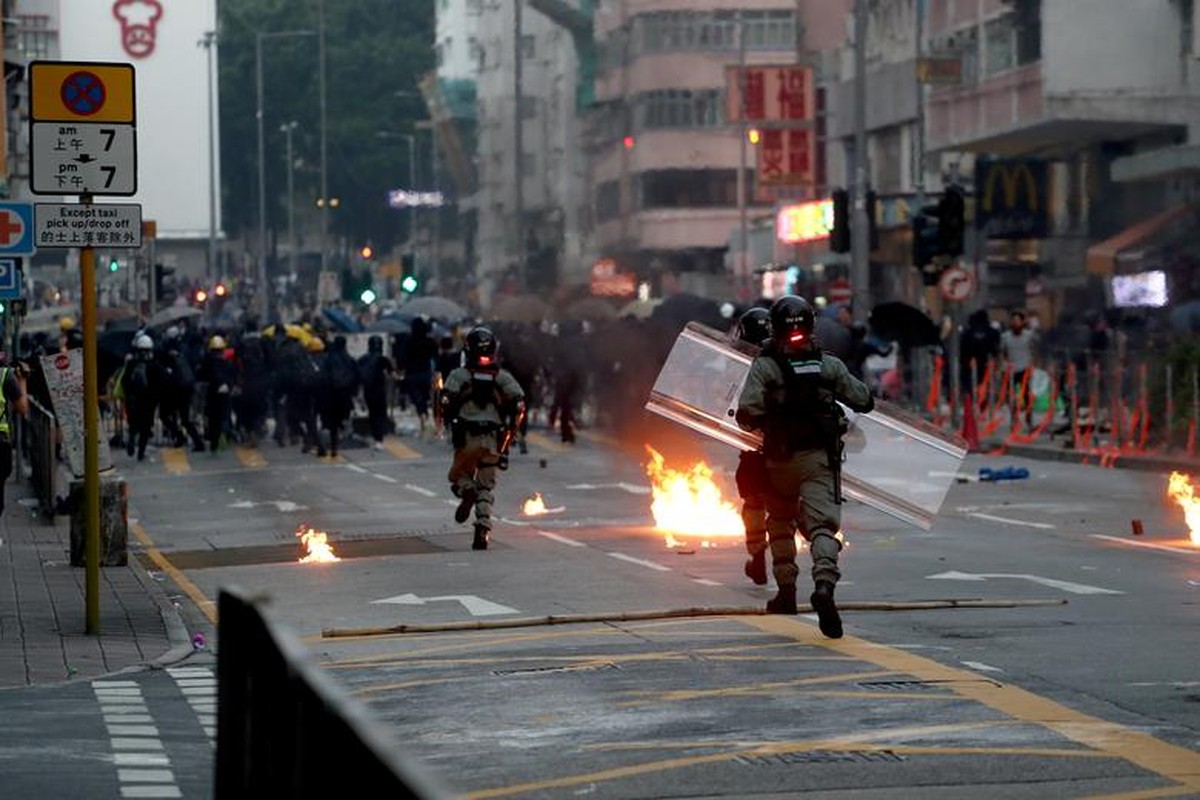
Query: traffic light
[(872, 223), (926, 237), (199, 297), (951, 212), (367, 252), (164, 284), (113, 264), (220, 290), (410, 284), (839, 236)]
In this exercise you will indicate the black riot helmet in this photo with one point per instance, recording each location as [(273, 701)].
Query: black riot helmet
[(792, 323), (482, 349), (754, 326)]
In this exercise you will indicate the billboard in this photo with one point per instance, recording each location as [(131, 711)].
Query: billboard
[(161, 39)]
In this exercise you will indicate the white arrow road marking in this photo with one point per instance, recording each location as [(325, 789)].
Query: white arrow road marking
[(283, 506), (1066, 586), (1005, 520), (476, 605)]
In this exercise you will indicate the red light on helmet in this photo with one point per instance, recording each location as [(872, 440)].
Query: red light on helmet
[(485, 360), (798, 336)]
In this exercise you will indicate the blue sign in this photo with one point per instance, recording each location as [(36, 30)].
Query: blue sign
[(1011, 198), (10, 279), (16, 229)]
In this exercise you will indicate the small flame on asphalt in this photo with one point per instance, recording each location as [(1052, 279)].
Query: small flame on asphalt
[(1181, 490), (535, 506), (690, 503), (316, 546)]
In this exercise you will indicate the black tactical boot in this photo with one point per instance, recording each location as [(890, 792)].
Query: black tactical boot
[(784, 602), (481, 537), (827, 614), (465, 504), (756, 568)]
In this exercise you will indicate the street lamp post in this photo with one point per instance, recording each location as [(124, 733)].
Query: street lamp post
[(411, 139), (288, 129), (264, 294), (209, 42), (324, 142)]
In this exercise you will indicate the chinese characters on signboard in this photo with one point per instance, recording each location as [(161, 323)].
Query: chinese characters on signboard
[(773, 94), (778, 102)]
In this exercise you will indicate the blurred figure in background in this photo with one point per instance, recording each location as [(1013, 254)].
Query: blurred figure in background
[(178, 389), (219, 372), (141, 383), (339, 384), (374, 370), (419, 358)]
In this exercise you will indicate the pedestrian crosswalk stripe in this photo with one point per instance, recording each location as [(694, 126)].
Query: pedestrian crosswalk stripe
[(249, 457), (176, 461), (399, 449)]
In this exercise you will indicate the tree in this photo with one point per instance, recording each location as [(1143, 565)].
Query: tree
[(374, 50)]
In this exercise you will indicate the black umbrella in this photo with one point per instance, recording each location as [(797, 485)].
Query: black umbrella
[(344, 322), (680, 309), (908, 325)]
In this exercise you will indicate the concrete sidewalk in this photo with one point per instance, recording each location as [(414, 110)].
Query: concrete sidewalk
[(1062, 451), (43, 606)]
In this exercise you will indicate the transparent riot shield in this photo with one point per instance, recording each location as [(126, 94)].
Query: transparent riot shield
[(894, 461)]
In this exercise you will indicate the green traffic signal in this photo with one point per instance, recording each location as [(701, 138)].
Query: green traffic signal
[(409, 284), (114, 265)]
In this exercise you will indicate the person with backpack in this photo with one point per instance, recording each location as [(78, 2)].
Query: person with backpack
[(178, 388), (339, 385), (483, 405), (791, 394), (140, 384), (374, 369)]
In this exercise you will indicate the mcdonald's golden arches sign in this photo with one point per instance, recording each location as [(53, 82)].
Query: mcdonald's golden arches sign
[(1011, 198)]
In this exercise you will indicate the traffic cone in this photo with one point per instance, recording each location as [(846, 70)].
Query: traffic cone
[(970, 430)]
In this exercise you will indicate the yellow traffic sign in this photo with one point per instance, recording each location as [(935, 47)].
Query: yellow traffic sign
[(81, 91)]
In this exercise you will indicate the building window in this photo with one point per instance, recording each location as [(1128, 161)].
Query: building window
[(1027, 19), (476, 53), (608, 201), (1000, 49), (769, 30), (687, 188), (36, 39), (680, 108)]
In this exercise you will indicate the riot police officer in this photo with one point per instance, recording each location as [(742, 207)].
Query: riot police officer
[(754, 328), (791, 395), (482, 404)]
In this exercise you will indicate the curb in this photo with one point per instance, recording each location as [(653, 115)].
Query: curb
[(177, 633), (1146, 463)]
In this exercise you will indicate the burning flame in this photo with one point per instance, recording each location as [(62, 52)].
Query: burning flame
[(1180, 489), (534, 506), (690, 503), (316, 545)]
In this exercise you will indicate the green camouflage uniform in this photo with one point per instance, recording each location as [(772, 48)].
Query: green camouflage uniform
[(477, 444), (801, 484)]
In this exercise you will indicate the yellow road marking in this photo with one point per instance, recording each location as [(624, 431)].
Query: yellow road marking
[(249, 457), (677, 695), (536, 439), (398, 448), (387, 687), (176, 461), (1144, 794), (1175, 763), (206, 606)]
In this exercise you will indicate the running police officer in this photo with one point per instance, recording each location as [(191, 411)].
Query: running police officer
[(483, 405), (791, 395), (754, 328)]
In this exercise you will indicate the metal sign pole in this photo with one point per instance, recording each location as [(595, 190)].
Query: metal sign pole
[(91, 431)]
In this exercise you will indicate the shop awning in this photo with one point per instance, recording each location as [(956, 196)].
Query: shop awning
[(1102, 258)]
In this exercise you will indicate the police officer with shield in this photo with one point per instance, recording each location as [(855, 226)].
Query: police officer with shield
[(754, 329), (483, 405), (791, 395)]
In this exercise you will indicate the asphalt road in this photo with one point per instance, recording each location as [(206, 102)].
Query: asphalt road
[(1096, 698)]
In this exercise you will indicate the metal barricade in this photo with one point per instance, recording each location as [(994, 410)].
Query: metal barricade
[(284, 729), (41, 431)]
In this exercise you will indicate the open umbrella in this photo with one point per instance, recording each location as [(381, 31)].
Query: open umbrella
[(172, 314), (900, 322), (519, 308), (436, 307), (680, 309), (343, 321)]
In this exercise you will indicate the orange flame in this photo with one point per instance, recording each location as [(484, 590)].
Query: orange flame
[(690, 503), (316, 545), (1180, 489), (534, 506)]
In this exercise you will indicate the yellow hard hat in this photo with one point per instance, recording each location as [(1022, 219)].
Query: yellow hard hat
[(66, 323), (217, 343), (314, 345)]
